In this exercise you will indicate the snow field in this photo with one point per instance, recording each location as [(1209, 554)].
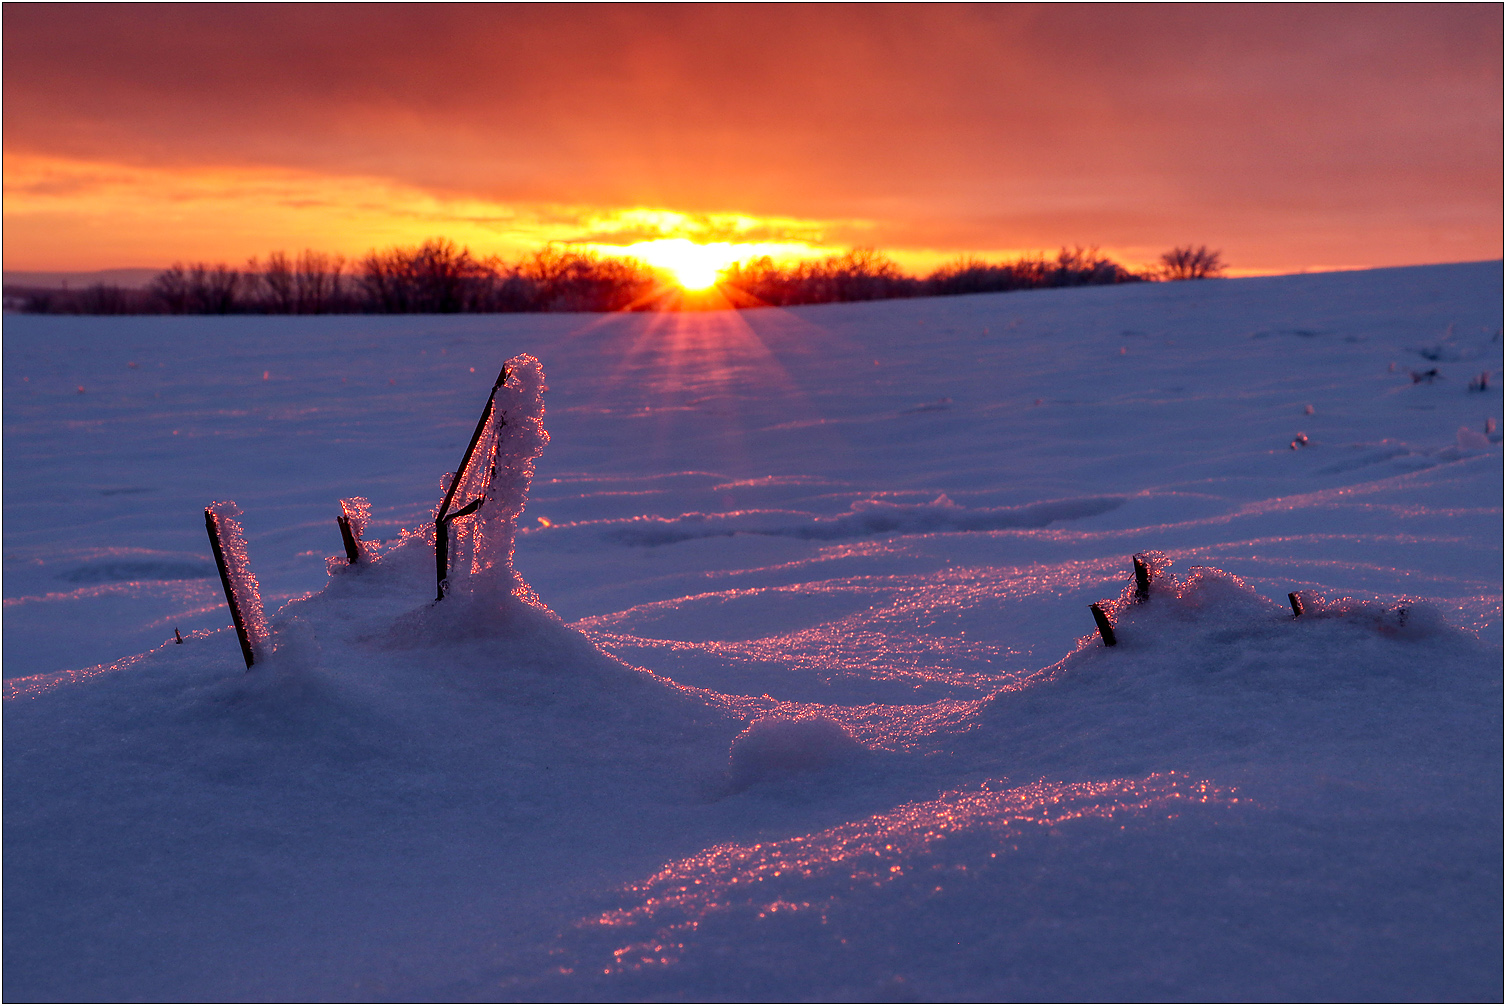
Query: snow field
[(801, 697)]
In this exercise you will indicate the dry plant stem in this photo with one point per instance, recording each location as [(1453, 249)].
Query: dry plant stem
[(442, 519), (1142, 579), (1105, 627), (213, 527), (352, 550)]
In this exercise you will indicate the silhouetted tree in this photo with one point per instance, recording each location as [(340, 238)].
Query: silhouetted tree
[(318, 282), (434, 278), (309, 284), (439, 277), (1191, 263), (270, 286), (199, 288), (860, 274), (559, 278), (214, 287), (170, 286), (1076, 266)]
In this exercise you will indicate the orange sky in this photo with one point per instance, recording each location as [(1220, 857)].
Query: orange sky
[(1290, 137)]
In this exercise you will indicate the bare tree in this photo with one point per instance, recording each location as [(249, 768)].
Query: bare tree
[(170, 286), (214, 287), (312, 283), (438, 276), (561, 278), (434, 278), (317, 282), (859, 274), (1191, 263), (275, 282), (199, 288)]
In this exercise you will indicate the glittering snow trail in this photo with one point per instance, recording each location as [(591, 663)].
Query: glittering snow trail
[(905, 847)]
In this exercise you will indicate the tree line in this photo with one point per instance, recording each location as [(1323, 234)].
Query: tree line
[(437, 277)]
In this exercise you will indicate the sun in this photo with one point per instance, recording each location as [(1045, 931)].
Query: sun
[(696, 272), (695, 276), (694, 266)]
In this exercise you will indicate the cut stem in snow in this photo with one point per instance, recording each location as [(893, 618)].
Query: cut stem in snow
[(1142, 579), (242, 592), (443, 517), (352, 550), (476, 537), (1105, 627), (354, 513)]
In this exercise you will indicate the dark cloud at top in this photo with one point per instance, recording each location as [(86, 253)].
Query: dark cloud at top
[(932, 120)]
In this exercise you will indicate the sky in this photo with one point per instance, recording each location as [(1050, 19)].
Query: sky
[(1289, 137)]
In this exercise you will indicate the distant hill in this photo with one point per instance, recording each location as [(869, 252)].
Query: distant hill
[(130, 279)]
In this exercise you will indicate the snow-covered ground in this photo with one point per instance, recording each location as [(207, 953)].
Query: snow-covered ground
[(882, 753)]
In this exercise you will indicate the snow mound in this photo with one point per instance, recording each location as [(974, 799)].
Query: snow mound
[(777, 746), (508, 642), (1210, 675), (1209, 611), (1403, 617), (483, 595)]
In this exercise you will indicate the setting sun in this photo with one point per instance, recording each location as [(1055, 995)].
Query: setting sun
[(695, 266)]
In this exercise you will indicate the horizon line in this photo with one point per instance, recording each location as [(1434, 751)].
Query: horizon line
[(145, 274)]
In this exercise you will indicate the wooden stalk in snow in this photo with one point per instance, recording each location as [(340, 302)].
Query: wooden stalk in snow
[(213, 526), (352, 549), (1105, 627), (1142, 579), (443, 518)]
